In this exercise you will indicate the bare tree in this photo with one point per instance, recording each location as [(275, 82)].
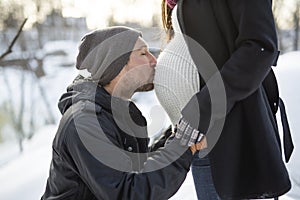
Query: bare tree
[(9, 49), (17, 112), (296, 20), (277, 6), (16, 120)]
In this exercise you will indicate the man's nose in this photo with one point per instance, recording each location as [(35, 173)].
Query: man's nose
[(153, 60), (155, 53)]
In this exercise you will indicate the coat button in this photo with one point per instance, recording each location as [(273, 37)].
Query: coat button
[(129, 148), (262, 49)]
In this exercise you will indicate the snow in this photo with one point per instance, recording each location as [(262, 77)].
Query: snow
[(288, 75), (23, 176)]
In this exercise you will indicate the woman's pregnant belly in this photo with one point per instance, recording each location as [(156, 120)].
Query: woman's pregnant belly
[(176, 78)]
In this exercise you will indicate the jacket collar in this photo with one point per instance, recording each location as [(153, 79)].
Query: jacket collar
[(180, 15), (86, 90)]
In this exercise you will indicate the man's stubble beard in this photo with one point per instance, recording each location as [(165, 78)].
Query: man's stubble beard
[(145, 88)]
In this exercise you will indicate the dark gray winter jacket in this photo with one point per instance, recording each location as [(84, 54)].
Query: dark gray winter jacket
[(102, 153)]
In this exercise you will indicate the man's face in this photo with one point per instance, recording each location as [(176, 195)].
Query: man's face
[(141, 67)]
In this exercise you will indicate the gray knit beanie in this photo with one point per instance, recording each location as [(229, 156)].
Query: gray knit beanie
[(105, 52)]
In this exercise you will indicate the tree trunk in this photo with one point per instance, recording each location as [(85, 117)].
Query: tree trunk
[(296, 23), (277, 5)]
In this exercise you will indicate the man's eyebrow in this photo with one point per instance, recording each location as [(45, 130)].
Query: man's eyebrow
[(142, 48)]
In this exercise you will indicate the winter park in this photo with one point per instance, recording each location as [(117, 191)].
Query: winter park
[(39, 43)]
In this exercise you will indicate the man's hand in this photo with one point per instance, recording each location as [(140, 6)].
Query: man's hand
[(187, 135), (190, 137), (199, 145)]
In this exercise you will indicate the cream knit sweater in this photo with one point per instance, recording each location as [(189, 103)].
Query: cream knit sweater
[(176, 76)]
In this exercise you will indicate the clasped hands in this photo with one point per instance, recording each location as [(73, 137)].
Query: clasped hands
[(188, 136)]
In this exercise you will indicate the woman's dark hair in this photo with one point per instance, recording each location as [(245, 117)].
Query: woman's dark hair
[(167, 19)]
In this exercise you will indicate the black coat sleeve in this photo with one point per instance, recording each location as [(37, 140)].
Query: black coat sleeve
[(97, 159), (243, 73)]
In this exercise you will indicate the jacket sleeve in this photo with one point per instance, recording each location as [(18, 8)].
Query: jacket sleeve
[(160, 142), (106, 169), (243, 73)]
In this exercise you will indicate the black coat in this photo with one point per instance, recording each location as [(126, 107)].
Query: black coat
[(88, 162), (240, 38)]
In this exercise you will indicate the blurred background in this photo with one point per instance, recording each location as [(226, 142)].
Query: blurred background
[(38, 47)]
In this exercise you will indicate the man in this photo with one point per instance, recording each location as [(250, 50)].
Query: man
[(101, 147)]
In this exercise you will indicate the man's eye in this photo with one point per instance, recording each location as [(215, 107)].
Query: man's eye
[(143, 54)]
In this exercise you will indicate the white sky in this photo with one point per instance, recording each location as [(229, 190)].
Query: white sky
[(97, 11)]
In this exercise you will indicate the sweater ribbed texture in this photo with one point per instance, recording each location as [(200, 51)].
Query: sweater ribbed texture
[(176, 77)]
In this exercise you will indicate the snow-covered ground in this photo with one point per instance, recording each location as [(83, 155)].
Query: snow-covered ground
[(24, 176), (288, 74)]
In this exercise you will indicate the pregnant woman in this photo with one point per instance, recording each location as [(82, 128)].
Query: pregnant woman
[(240, 38)]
